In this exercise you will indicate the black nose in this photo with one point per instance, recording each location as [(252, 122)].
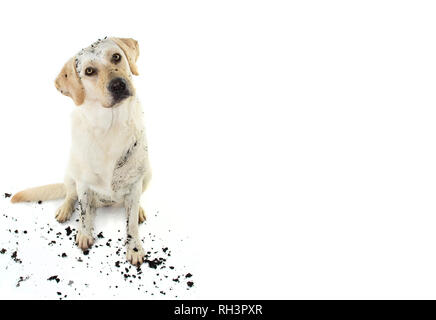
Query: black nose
[(118, 88)]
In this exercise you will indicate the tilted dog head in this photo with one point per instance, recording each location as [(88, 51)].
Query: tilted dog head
[(101, 73)]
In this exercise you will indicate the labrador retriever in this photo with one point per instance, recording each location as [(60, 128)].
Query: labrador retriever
[(108, 162)]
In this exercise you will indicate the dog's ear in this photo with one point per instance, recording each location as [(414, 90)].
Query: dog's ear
[(130, 48), (69, 84)]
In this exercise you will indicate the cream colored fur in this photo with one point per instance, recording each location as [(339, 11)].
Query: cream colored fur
[(43, 193), (108, 163)]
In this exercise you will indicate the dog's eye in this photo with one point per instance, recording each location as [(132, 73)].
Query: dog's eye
[(90, 71), (116, 57)]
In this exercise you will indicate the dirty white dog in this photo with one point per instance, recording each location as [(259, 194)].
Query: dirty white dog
[(108, 162)]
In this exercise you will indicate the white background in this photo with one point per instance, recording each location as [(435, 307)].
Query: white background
[(292, 141)]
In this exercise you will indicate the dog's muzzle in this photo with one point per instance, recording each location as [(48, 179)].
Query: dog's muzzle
[(119, 89)]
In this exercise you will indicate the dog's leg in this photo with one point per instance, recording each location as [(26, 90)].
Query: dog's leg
[(66, 209), (145, 181), (135, 252), (87, 209)]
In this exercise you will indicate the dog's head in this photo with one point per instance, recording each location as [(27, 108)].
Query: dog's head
[(101, 73)]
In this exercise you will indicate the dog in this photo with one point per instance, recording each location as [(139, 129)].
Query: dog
[(108, 163)]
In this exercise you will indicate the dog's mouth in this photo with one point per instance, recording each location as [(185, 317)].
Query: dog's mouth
[(115, 102), (119, 98)]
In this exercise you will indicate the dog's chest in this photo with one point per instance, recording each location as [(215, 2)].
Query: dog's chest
[(109, 161), (116, 166), (129, 167)]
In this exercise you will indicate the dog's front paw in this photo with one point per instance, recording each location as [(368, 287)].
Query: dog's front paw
[(63, 213), (135, 255), (83, 240)]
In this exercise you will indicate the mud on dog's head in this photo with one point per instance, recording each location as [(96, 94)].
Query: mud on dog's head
[(101, 73)]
